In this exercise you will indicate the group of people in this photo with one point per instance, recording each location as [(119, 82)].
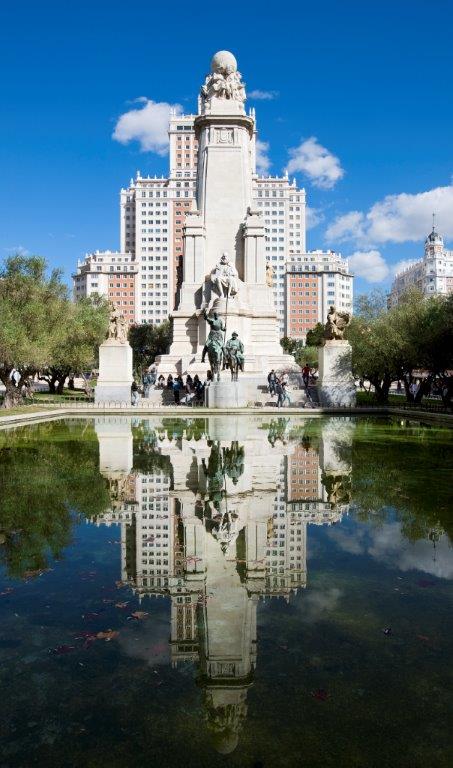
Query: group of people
[(191, 389), (278, 385)]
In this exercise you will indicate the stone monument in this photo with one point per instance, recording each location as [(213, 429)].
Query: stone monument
[(115, 362), (225, 270), (336, 385)]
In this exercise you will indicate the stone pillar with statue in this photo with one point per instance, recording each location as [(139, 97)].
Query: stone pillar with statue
[(336, 386), (115, 362)]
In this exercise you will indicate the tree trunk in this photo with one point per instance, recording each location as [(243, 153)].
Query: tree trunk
[(60, 385), (13, 396)]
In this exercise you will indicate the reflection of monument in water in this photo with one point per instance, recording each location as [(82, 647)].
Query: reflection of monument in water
[(216, 518)]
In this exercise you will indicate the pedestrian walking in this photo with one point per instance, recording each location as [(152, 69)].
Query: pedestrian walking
[(306, 375)]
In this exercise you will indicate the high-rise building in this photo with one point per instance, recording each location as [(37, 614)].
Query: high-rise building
[(152, 214), (111, 274), (314, 281), (432, 275)]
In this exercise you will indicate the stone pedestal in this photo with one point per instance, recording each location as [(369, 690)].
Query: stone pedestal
[(115, 373), (226, 394), (336, 385)]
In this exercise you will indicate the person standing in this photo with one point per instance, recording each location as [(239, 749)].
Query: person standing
[(272, 380), (306, 375), (279, 392), (134, 393)]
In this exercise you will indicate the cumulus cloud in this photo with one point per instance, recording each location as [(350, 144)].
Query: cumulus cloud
[(148, 125), (316, 162), (387, 544), (318, 603), (314, 216), (263, 162), (259, 95), (396, 218), (370, 265)]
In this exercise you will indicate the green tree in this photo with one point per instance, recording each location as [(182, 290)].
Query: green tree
[(414, 336), (315, 336), (76, 349), (32, 310), (147, 342)]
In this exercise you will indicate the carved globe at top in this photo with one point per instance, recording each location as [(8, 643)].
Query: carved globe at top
[(224, 62)]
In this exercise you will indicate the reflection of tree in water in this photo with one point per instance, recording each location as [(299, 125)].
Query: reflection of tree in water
[(50, 481), (278, 430), (223, 463)]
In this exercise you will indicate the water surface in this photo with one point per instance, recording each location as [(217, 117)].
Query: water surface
[(250, 592)]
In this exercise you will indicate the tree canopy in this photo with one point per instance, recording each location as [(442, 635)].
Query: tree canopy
[(395, 344), (41, 328), (148, 341)]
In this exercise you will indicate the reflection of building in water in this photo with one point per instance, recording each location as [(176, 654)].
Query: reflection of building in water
[(217, 524)]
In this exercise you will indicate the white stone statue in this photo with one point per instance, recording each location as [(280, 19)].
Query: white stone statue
[(225, 81), (224, 277), (117, 324)]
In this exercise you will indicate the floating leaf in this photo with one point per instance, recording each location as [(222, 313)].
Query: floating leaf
[(61, 649), (139, 615), (320, 694), (108, 635), (122, 605)]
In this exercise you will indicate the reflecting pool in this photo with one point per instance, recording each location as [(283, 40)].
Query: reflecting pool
[(211, 591)]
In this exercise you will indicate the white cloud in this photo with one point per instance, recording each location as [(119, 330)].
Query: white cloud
[(387, 544), (346, 227), (397, 218), (320, 602), (263, 162), (262, 95), (400, 266), (314, 216), (315, 161), (148, 125), (370, 265)]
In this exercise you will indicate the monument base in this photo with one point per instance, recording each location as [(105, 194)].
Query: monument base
[(336, 385), (115, 373), (226, 394)]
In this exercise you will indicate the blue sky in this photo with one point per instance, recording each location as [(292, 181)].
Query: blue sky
[(360, 102)]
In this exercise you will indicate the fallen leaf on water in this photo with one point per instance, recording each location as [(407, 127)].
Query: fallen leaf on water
[(7, 591), (122, 605), (387, 630), (320, 694), (61, 649), (139, 615), (108, 635), (107, 601), (119, 584), (424, 638), (89, 616)]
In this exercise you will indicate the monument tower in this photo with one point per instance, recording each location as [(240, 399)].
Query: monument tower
[(224, 240)]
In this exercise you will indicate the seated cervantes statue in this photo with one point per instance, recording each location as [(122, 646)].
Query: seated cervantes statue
[(336, 324), (224, 277)]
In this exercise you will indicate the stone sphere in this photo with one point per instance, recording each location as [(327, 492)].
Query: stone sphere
[(224, 62)]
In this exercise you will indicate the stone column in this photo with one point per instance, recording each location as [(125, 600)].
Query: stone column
[(254, 256)]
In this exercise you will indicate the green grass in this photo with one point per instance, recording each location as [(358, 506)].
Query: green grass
[(369, 398)]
